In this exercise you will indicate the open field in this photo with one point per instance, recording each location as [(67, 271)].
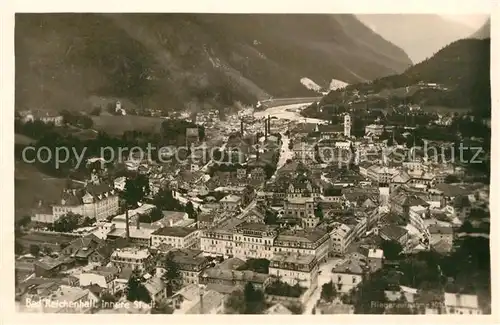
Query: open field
[(117, 125), (31, 186)]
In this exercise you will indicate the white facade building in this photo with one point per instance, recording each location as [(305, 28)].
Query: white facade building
[(295, 269)]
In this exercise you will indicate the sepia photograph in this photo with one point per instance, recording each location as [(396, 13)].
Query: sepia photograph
[(252, 163)]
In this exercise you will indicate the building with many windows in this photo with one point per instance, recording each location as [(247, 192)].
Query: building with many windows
[(303, 209), (294, 268), (96, 200), (338, 236), (308, 241), (132, 258), (347, 275), (217, 242), (254, 240), (177, 237)]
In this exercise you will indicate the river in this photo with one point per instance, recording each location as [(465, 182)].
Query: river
[(289, 112)]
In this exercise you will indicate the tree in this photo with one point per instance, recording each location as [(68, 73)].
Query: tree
[(296, 308), (136, 291), (96, 111), (190, 210), (270, 217), (155, 215), (254, 299), (18, 248), (23, 221), (88, 222), (67, 222), (318, 212), (451, 179), (328, 291), (235, 303), (34, 250), (107, 300), (259, 265), (164, 200), (390, 142), (392, 249), (172, 273), (135, 190), (369, 297), (162, 308)]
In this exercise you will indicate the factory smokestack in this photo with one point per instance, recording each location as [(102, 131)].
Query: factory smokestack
[(201, 301), (127, 226), (265, 129), (241, 127)]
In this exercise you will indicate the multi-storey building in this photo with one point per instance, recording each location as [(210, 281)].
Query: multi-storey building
[(338, 237), (191, 264), (294, 268), (98, 201), (309, 241), (132, 258), (347, 275), (217, 242), (374, 130), (303, 208), (461, 304), (254, 240), (230, 202), (303, 187), (177, 237), (381, 174)]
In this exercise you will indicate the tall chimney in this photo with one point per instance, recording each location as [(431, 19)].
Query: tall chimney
[(269, 124), (241, 127), (265, 129), (201, 301), (138, 222), (127, 227)]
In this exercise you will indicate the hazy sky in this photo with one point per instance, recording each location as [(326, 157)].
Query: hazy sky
[(476, 20)]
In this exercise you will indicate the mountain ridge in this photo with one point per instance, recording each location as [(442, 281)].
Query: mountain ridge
[(484, 31), (168, 60), (461, 70)]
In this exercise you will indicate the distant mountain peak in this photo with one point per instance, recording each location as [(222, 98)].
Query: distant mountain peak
[(419, 35), (484, 31)]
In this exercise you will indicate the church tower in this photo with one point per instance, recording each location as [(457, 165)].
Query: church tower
[(347, 125)]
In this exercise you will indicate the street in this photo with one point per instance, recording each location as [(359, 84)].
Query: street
[(325, 270), (285, 153)]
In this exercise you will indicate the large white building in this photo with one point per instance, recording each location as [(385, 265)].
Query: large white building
[(303, 208), (294, 268), (98, 201), (347, 275), (131, 258), (338, 237), (309, 241), (217, 242), (254, 240), (461, 304), (177, 237), (374, 130)]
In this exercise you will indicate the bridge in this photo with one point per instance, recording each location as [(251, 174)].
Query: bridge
[(288, 101)]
